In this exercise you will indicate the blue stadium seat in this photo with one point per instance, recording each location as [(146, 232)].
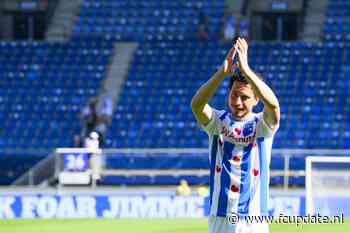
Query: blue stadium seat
[(140, 21), (42, 94)]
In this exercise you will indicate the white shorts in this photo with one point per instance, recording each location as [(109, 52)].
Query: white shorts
[(222, 225)]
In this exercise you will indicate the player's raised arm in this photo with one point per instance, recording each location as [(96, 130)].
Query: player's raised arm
[(199, 104), (262, 90)]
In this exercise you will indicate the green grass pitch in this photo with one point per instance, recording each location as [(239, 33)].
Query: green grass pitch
[(145, 226)]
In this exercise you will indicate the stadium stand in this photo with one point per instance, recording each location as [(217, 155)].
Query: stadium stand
[(46, 85), (147, 20), (152, 162), (168, 161), (49, 80), (13, 165), (164, 75), (336, 27)]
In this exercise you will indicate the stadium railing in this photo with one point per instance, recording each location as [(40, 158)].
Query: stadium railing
[(285, 163)]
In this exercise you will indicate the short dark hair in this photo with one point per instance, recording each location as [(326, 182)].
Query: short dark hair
[(236, 77), (239, 77)]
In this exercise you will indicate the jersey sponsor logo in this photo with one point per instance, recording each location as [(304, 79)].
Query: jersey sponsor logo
[(233, 136)]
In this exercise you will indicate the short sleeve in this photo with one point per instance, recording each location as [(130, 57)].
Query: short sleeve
[(263, 129), (212, 128)]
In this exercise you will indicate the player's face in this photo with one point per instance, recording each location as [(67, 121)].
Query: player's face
[(241, 100)]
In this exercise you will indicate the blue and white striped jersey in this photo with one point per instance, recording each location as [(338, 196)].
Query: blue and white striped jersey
[(240, 154)]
